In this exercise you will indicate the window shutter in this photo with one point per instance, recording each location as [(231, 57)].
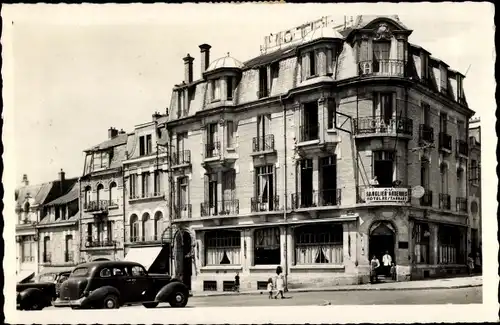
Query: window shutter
[(363, 54)]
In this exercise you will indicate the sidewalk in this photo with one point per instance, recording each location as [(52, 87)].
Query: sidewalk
[(445, 283)]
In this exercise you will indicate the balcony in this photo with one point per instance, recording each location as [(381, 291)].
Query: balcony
[(426, 200), (263, 204), (28, 259), (444, 141), (181, 158), (47, 258), (386, 68), (308, 132), (426, 134), (323, 198), (100, 244), (263, 144), (182, 211), (368, 126), (444, 201), (147, 196), (221, 208), (69, 257), (212, 150), (461, 204), (462, 148), (390, 195), (144, 239), (99, 206)]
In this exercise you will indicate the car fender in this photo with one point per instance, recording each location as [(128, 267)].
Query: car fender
[(100, 293), (168, 289), (31, 294)]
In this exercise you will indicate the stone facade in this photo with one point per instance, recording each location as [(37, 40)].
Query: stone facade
[(312, 156)]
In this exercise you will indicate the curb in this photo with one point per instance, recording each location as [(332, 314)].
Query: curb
[(341, 290)]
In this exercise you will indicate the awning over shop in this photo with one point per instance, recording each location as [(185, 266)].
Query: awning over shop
[(143, 255), (25, 276)]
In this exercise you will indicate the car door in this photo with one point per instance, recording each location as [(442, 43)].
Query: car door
[(141, 284), (123, 282)]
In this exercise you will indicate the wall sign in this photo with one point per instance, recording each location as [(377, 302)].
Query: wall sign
[(399, 195)]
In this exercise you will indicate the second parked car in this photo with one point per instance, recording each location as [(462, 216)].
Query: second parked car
[(112, 284)]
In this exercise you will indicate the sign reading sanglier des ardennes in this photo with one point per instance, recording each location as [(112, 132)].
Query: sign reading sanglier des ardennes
[(398, 195)]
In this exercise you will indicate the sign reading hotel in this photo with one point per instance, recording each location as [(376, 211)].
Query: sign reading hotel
[(397, 195)]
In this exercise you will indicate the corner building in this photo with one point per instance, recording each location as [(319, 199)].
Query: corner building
[(306, 157)]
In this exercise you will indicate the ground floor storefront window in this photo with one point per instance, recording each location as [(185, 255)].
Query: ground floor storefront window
[(422, 243), (223, 247), (319, 244), (267, 249), (450, 251)]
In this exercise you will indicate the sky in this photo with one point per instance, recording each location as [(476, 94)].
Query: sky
[(77, 70)]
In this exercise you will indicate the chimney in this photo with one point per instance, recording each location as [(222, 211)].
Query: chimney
[(205, 57), (156, 116), (188, 69), (121, 132), (61, 181), (25, 181), (112, 132)]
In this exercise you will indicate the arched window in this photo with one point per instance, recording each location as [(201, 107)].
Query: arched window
[(223, 247), (100, 192), (319, 244), (113, 194), (134, 228), (158, 225), (147, 229), (26, 207), (86, 202), (267, 246)]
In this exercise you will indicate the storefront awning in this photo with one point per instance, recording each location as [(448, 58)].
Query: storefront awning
[(25, 276), (143, 255)]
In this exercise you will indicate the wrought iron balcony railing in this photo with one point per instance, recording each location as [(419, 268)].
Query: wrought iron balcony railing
[(94, 206), (382, 68), (426, 200), (309, 132), (462, 148), (262, 204), (323, 198), (147, 195), (100, 243), (461, 204), (182, 211), (69, 256), (181, 158), (444, 141), (426, 133), (444, 201), (220, 208), (263, 143), (212, 149), (400, 125)]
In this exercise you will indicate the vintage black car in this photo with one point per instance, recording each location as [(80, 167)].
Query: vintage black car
[(38, 294), (111, 284)]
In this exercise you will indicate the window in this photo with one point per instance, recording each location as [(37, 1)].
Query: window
[(181, 142), (230, 134), (145, 145), (312, 63), (305, 198), (68, 251), (180, 104), (309, 129), (449, 238), (133, 185), (57, 212), (105, 273), (263, 125), (147, 227), (265, 187), (263, 88), (100, 193), (46, 249), (101, 159), (461, 130), (229, 186), (157, 183), (113, 194), (444, 178), (422, 241), (223, 247), (79, 272), (87, 196), (229, 89), (328, 179), (90, 236), (443, 123), (383, 107), (443, 79), (100, 231), (215, 89), (212, 145), (138, 271), (474, 172), (134, 228), (319, 245), (275, 71), (63, 212), (145, 184), (426, 114), (28, 249), (212, 190), (158, 225), (182, 192), (267, 246), (118, 271), (149, 144), (330, 113), (109, 230), (381, 55), (383, 167), (424, 174), (460, 183)]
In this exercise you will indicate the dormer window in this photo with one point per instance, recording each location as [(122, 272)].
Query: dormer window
[(263, 91), (312, 63), (443, 79), (230, 88), (215, 95), (101, 159), (381, 55), (180, 104), (145, 145)]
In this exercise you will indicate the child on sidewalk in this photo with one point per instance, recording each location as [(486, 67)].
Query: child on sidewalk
[(393, 271), (270, 287)]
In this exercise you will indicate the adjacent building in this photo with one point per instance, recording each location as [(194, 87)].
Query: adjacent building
[(101, 197), (474, 193), (336, 144)]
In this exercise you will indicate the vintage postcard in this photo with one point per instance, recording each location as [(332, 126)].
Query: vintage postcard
[(249, 163)]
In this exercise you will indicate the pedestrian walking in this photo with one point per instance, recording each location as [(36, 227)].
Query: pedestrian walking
[(237, 282), (387, 261), (470, 264), (270, 287), (478, 266), (393, 271), (374, 265), (280, 283)]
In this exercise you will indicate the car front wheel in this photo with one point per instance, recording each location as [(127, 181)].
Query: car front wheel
[(179, 299), (110, 302)]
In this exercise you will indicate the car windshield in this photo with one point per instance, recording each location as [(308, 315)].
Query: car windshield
[(47, 278), (80, 271)]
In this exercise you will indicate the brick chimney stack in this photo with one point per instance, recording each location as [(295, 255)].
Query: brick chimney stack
[(188, 69), (25, 181), (205, 57), (62, 177), (112, 132)]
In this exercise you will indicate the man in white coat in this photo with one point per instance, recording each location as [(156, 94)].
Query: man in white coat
[(387, 262)]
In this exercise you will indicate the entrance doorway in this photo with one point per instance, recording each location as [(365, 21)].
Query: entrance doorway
[(184, 257), (382, 240)]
